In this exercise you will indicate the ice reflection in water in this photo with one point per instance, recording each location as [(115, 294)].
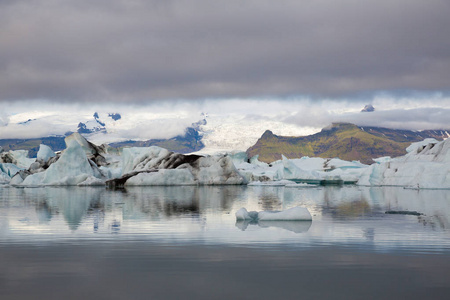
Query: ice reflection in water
[(184, 243), (341, 216), (294, 226)]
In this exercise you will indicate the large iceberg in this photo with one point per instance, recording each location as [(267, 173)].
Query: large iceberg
[(72, 168), (426, 165), (158, 166)]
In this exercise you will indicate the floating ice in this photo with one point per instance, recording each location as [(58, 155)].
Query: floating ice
[(71, 168), (272, 183), (426, 166), (163, 177)]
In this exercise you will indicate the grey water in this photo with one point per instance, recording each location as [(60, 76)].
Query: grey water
[(184, 243)]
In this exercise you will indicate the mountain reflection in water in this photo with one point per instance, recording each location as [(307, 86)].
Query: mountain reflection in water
[(189, 214), (185, 243)]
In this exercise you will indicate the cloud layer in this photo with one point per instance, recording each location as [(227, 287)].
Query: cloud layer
[(123, 50), (236, 118)]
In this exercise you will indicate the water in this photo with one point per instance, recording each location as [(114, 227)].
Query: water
[(184, 242)]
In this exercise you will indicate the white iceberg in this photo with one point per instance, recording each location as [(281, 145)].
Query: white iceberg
[(291, 171), (425, 166), (163, 177), (158, 166), (45, 153), (72, 168)]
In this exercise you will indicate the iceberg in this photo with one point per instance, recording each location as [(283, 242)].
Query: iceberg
[(291, 171), (293, 214), (163, 177), (72, 168), (9, 169), (311, 170), (45, 153), (424, 166), (17, 157), (158, 166)]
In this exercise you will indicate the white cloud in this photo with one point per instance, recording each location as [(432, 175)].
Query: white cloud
[(166, 119)]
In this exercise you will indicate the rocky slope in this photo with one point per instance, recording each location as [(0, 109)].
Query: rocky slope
[(343, 140)]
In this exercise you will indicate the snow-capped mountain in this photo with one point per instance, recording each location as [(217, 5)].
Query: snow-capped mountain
[(368, 108), (92, 126)]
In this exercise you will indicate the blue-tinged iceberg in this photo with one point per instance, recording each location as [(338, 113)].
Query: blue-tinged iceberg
[(45, 153), (72, 168)]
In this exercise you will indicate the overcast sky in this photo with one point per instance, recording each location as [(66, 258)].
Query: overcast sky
[(132, 50), (306, 63)]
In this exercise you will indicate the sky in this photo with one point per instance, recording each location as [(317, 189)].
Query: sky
[(306, 63)]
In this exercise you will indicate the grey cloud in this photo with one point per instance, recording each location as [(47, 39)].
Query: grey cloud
[(142, 50), (416, 119)]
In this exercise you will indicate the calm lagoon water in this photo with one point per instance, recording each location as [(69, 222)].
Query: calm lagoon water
[(184, 243)]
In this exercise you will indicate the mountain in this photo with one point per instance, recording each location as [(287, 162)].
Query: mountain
[(343, 140), (95, 125), (32, 145), (368, 108), (103, 126), (189, 142)]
